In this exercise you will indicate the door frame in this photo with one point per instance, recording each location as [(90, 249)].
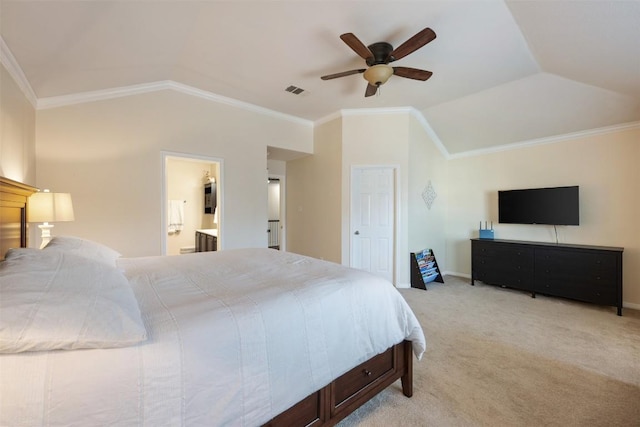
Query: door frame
[(396, 212), (166, 155)]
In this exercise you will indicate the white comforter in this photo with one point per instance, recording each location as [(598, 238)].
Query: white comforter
[(236, 337)]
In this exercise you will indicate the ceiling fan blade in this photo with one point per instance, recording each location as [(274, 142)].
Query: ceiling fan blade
[(412, 73), (371, 90), (342, 74), (411, 45), (356, 45)]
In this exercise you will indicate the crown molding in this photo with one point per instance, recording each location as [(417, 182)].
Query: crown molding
[(101, 95), (548, 140), (9, 61)]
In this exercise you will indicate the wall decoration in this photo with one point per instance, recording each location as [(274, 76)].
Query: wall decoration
[(429, 195)]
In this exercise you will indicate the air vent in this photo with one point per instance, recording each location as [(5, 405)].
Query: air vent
[(294, 90)]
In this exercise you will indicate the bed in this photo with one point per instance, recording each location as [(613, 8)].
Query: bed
[(243, 337)]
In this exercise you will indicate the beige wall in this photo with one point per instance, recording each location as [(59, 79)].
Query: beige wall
[(17, 132), (394, 139), (313, 194), (604, 166), (426, 227), (107, 154), (381, 140)]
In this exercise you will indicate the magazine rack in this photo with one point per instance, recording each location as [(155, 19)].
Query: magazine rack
[(424, 269)]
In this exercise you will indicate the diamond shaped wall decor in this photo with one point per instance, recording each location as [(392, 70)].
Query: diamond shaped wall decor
[(429, 195)]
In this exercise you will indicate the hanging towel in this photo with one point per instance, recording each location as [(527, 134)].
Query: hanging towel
[(176, 216)]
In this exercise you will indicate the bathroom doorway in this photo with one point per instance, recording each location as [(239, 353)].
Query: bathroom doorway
[(185, 180)]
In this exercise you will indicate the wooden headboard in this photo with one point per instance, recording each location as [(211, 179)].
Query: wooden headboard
[(14, 197)]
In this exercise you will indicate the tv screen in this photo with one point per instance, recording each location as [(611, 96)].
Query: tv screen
[(555, 206)]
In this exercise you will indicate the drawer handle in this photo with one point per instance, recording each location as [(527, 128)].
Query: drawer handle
[(367, 372)]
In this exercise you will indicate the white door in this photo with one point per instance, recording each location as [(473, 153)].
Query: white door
[(372, 220)]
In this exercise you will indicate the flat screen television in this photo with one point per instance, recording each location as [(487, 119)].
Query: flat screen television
[(554, 206)]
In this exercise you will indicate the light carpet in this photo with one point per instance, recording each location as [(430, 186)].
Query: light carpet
[(497, 357)]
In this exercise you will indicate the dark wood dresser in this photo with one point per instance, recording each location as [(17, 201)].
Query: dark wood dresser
[(581, 272)]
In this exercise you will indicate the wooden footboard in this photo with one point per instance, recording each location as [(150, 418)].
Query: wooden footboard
[(332, 403)]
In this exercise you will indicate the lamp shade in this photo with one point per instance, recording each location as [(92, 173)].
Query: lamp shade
[(50, 207)]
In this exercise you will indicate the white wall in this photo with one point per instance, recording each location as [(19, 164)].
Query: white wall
[(276, 167), (273, 200), (107, 154)]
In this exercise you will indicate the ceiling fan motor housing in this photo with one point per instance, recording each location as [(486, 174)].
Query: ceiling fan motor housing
[(380, 51)]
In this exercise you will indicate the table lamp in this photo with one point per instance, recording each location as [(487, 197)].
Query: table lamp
[(46, 207)]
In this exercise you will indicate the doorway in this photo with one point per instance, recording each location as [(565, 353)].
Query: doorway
[(373, 220), (276, 237), (185, 179)]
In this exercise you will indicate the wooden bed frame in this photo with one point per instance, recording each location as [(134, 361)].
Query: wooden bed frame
[(13, 214), (332, 403), (325, 407)]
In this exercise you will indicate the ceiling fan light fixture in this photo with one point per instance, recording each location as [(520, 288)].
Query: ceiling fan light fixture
[(378, 75)]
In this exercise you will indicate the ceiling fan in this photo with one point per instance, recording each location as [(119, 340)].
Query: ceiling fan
[(379, 55)]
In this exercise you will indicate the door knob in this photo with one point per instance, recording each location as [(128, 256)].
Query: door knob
[(357, 233)]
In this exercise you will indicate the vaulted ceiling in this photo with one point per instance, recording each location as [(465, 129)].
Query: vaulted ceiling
[(504, 72)]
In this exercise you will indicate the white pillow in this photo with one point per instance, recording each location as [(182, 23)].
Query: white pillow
[(52, 300), (85, 248)]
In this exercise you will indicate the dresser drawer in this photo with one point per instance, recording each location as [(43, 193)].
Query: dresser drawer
[(502, 251), (361, 376), (578, 264), (602, 293), (503, 264), (519, 276)]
